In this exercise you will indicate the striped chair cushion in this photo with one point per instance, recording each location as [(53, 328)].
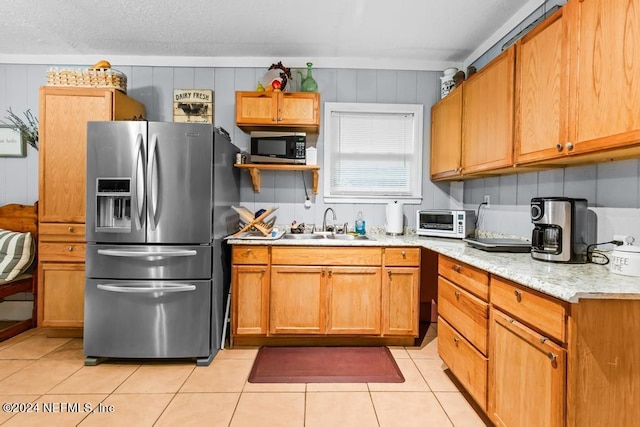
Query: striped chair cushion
[(16, 254)]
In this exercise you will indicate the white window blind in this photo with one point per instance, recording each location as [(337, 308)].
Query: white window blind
[(373, 151)]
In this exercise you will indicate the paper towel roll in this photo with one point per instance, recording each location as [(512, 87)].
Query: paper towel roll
[(395, 218)]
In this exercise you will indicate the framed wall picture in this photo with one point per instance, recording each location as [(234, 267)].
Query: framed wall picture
[(193, 105), (12, 143)]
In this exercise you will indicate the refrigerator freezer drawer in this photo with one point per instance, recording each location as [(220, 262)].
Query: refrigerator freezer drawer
[(147, 319), (144, 262)]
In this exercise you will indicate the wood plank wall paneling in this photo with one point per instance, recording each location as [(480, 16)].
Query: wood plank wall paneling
[(154, 87)]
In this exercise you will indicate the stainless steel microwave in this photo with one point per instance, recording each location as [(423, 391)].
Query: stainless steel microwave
[(446, 223), (278, 147)]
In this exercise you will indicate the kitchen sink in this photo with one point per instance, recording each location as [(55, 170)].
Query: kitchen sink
[(347, 237), (302, 236), (315, 236)]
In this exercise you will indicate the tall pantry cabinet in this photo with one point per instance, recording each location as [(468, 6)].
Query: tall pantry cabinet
[(64, 113)]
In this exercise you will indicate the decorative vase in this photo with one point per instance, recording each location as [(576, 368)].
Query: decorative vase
[(308, 84), (447, 82)]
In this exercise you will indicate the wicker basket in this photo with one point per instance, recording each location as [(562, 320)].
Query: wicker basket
[(87, 77)]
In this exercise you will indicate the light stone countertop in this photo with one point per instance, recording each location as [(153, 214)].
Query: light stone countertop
[(568, 282)]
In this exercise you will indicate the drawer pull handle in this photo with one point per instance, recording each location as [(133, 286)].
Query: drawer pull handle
[(323, 273), (518, 295), (70, 248), (263, 271), (70, 229), (559, 147), (457, 294), (457, 268), (511, 320), (455, 340), (389, 273), (543, 340), (330, 273), (248, 251), (404, 254), (552, 356)]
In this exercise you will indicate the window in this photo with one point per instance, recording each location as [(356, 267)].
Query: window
[(372, 152)]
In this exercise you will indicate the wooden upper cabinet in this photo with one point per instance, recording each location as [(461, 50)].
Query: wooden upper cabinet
[(605, 89), (64, 113), (446, 136), (487, 116), (542, 91), (296, 111)]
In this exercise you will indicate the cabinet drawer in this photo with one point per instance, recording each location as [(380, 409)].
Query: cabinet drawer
[(288, 255), (465, 312), (250, 255), (63, 252), (543, 313), (402, 257), (465, 362), (467, 277), (56, 232)]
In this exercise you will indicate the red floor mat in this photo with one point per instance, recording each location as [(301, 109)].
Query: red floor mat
[(325, 365)]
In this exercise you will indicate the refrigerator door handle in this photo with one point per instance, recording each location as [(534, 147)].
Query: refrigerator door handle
[(167, 287), (152, 183), (134, 177), (134, 254)]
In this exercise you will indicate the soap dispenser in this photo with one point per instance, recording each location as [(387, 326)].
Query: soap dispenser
[(360, 224)]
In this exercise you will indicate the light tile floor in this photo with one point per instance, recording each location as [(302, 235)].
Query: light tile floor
[(48, 375)]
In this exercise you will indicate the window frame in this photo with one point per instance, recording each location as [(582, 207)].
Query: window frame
[(416, 110)]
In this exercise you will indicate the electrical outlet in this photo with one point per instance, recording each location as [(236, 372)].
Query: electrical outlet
[(487, 200), (624, 238)]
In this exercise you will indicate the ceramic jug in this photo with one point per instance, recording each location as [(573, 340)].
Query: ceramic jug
[(308, 84)]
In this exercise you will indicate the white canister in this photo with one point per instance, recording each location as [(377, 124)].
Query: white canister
[(312, 156), (394, 224), (447, 84), (625, 260)]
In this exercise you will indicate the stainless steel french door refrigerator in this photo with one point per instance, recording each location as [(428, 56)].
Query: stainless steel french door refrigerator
[(158, 206)]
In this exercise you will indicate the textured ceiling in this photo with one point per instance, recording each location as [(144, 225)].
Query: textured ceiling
[(352, 30)]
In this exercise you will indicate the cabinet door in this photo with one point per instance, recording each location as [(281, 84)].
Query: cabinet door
[(465, 312), (61, 294), (250, 295), (63, 134), (299, 108), (400, 287), (297, 300), (353, 300), (605, 85), (487, 116), (256, 108), (527, 376), (446, 135), (542, 91), (465, 362)]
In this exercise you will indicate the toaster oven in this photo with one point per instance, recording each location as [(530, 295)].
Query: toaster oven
[(446, 223)]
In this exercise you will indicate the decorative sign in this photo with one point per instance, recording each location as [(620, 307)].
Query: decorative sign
[(12, 144), (193, 105)]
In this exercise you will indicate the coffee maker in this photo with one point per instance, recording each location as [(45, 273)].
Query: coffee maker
[(561, 231)]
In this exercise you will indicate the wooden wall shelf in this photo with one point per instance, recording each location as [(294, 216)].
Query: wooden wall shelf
[(254, 169)]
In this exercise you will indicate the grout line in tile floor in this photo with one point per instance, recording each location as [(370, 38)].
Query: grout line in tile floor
[(451, 407)]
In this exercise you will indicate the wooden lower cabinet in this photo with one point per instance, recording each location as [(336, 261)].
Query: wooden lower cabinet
[(250, 299), (61, 294), (400, 300), (527, 375), (325, 300), (250, 290), (297, 300), (353, 295), (282, 293), (464, 360)]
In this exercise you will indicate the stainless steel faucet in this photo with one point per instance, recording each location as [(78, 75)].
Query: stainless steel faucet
[(324, 218)]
